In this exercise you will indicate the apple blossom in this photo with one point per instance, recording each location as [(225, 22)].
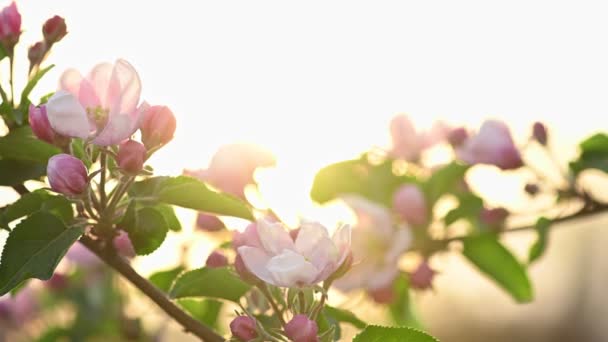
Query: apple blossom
[(407, 143), (409, 202), (157, 126), (376, 247), (302, 329), (103, 106), (39, 123), (67, 175), (281, 261), (243, 328), (54, 29), (491, 145)]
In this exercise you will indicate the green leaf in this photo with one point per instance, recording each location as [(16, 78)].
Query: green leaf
[(345, 316), (21, 144), (470, 206), (375, 182), (34, 248), (401, 308), (495, 261), (25, 102), (444, 180), (538, 247), (164, 279), (169, 215), (191, 193), (205, 311), (209, 282), (594, 154), (14, 172), (146, 227), (35, 201), (374, 333)]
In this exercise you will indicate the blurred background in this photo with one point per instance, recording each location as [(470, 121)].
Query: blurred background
[(317, 82)]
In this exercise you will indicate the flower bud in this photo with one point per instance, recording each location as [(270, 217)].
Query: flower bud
[(36, 54), (422, 277), (10, 27), (209, 223), (131, 157), (216, 259), (123, 245), (494, 217), (301, 329), (67, 175), (54, 29), (58, 282), (410, 204), (243, 328), (539, 132), (158, 126), (531, 189), (385, 295), (39, 122), (243, 271), (457, 136)]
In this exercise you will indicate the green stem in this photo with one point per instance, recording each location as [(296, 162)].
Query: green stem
[(102, 181), (12, 85), (274, 306)]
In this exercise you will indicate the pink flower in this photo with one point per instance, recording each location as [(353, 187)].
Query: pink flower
[(39, 122), (123, 245), (491, 145), (377, 246), (103, 106), (243, 328), (10, 27), (54, 29), (232, 167), (67, 175), (216, 259), (302, 329), (131, 157), (209, 223), (407, 143), (157, 126), (281, 261), (409, 202)]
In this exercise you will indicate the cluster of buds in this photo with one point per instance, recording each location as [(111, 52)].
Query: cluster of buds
[(53, 30), (286, 266)]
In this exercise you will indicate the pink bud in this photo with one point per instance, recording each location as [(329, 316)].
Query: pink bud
[(54, 29), (209, 223), (67, 175), (10, 27), (36, 53), (385, 295), (494, 216), (58, 282), (39, 122), (216, 259), (131, 157), (243, 328), (457, 136), (243, 271), (409, 202), (123, 245), (422, 278), (539, 132), (531, 189), (492, 145), (301, 329), (158, 126)]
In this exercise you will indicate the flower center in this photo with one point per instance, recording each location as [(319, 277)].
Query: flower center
[(98, 115)]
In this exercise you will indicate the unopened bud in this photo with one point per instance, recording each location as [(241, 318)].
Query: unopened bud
[(36, 53), (422, 277), (67, 175), (10, 27), (243, 328), (385, 295), (457, 136), (409, 202), (131, 157), (58, 282), (54, 29), (158, 126), (302, 329), (216, 259), (510, 158), (493, 217), (531, 189), (39, 123), (539, 132), (123, 245), (209, 223)]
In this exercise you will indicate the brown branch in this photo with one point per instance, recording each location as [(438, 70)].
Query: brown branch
[(21, 189), (117, 263)]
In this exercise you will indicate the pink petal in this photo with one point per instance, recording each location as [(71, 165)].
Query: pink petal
[(274, 237), (67, 116), (119, 128), (98, 81), (124, 88), (290, 269), (255, 260), (311, 234), (342, 241), (70, 81)]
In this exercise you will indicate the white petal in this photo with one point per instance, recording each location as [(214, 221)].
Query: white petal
[(309, 237), (255, 260), (67, 116), (290, 269), (274, 237), (342, 241)]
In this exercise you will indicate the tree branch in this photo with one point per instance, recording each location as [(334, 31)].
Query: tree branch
[(116, 262)]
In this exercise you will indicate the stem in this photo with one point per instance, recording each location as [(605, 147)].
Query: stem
[(12, 64), (302, 301), (21, 189), (117, 263), (268, 296), (122, 188), (102, 182)]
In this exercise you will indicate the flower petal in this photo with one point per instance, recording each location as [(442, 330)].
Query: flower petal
[(70, 81), (274, 237), (311, 234), (342, 241), (124, 88), (290, 269), (255, 260), (67, 116), (119, 128)]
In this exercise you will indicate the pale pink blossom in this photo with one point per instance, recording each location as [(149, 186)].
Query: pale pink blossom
[(233, 166), (281, 261), (302, 329), (410, 203), (102, 106), (492, 145), (408, 143), (377, 245)]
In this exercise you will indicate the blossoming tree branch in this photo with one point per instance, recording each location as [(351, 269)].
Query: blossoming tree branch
[(88, 143)]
